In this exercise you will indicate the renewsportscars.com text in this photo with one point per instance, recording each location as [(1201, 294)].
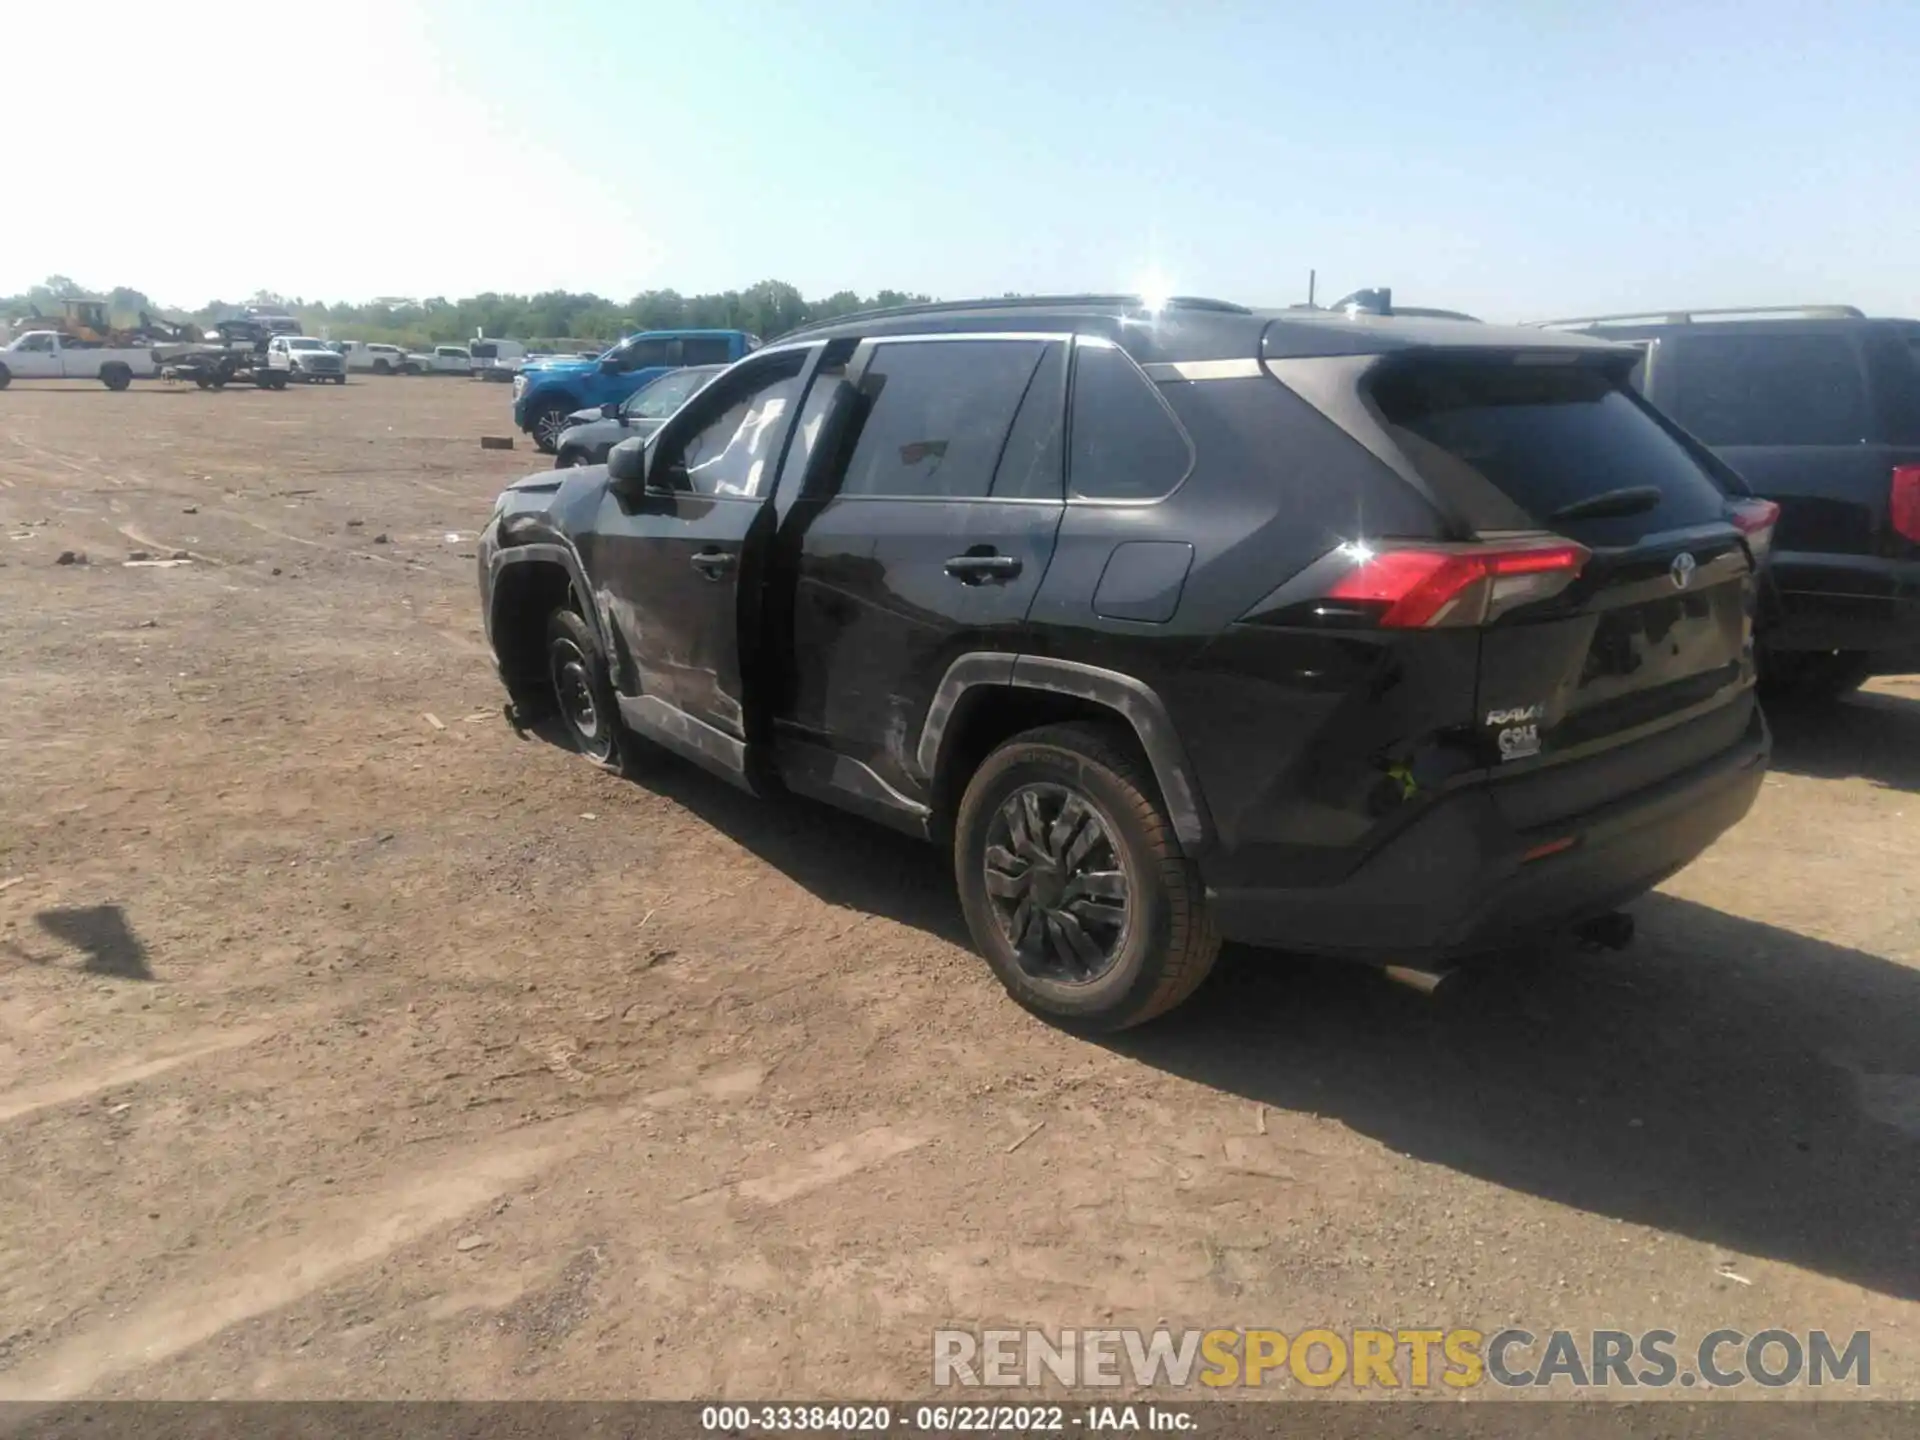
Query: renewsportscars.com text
[(1413, 1359)]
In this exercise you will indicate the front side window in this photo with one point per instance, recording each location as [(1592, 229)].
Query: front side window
[(730, 454), (938, 416), (647, 354), (39, 344)]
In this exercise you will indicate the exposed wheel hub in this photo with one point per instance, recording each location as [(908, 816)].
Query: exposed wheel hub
[(573, 687)]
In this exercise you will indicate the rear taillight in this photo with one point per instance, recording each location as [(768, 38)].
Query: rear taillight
[(1418, 588), (1755, 520), (1903, 501)]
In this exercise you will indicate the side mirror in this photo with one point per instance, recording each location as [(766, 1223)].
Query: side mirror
[(610, 411), (627, 467), (609, 367)]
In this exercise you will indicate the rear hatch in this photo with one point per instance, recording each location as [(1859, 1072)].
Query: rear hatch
[(1626, 659)]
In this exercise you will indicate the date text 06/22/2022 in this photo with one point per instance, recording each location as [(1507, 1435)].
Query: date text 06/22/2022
[(943, 1419)]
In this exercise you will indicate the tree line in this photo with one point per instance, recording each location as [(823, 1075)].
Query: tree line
[(768, 309)]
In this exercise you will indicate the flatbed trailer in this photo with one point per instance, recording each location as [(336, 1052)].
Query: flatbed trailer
[(238, 356)]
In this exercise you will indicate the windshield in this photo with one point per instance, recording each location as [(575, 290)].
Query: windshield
[(667, 394), (300, 343)]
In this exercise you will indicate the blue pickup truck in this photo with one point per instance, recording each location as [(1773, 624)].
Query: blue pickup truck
[(547, 392)]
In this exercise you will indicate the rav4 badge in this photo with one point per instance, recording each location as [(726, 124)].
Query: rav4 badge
[(1519, 728)]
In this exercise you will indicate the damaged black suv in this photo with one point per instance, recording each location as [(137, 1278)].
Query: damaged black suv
[(1382, 636)]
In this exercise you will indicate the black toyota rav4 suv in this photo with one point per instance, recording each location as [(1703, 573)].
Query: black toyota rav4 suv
[(1818, 409), (1385, 637)]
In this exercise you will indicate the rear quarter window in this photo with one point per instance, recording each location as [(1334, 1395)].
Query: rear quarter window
[(1125, 442), (1762, 389), (1511, 445)]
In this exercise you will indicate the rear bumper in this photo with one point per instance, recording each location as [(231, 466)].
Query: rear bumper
[(1458, 880), (1844, 602)]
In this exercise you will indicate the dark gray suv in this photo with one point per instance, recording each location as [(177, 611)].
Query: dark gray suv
[(1366, 634)]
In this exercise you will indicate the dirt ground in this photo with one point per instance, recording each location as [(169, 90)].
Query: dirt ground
[(352, 1045)]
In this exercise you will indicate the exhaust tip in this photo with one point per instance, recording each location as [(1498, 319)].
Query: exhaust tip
[(1414, 978)]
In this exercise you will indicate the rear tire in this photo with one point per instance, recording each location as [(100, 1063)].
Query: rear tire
[(6, 377), (583, 691), (1812, 677), (381, 367), (1112, 919), (116, 376)]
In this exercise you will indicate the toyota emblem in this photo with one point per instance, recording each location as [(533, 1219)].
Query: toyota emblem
[(1683, 567)]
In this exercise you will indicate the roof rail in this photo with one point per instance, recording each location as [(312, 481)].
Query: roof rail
[(1021, 302), (1687, 317)]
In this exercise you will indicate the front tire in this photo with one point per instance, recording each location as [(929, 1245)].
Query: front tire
[(546, 423), (582, 689), (1074, 885), (6, 377)]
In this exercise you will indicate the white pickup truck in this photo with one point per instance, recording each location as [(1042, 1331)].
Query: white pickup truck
[(49, 355), (441, 360)]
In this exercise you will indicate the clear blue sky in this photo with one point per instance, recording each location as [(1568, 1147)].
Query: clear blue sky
[(1513, 159)]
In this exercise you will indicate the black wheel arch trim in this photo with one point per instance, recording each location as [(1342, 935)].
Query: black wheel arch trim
[(1132, 700), (547, 552)]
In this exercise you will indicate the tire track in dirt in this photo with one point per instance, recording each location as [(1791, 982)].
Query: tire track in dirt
[(184, 1050), (343, 1235)]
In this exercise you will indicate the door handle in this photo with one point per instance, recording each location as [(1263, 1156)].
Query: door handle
[(974, 568), (713, 563)]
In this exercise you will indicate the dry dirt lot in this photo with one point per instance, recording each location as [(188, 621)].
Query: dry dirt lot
[(347, 1053)]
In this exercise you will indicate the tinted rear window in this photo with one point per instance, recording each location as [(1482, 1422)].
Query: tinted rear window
[(706, 350), (1770, 389), (1540, 438)]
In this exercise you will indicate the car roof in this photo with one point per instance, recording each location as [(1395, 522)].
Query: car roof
[(1758, 328), (1187, 329)]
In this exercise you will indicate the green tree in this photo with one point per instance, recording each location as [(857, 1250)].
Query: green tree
[(768, 309)]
